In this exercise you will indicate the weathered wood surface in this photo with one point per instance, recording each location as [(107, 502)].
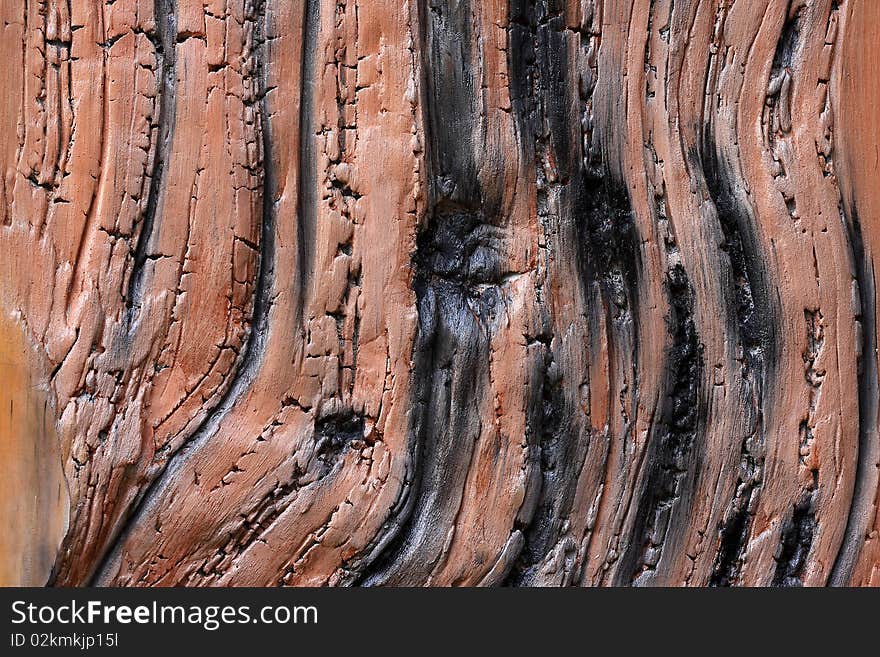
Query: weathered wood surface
[(439, 292)]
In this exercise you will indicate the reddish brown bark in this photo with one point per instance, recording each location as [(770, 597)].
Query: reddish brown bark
[(566, 292)]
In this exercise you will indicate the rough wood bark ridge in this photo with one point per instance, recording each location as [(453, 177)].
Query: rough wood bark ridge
[(439, 292)]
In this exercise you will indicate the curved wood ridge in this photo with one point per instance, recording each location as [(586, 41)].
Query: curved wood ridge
[(440, 292)]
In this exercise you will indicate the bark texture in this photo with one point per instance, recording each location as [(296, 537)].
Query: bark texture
[(439, 292)]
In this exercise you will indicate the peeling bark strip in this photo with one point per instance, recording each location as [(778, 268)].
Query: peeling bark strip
[(440, 292), (672, 459)]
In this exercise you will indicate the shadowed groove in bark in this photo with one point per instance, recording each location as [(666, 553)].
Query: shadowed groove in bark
[(449, 371), (333, 436), (456, 277), (756, 324), (389, 539), (306, 203), (673, 458), (869, 399), (541, 93), (607, 237), (734, 533), (165, 42), (594, 214), (528, 54), (795, 543), (254, 349), (497, 189), (752, 318), (608, 253), (557, 463)]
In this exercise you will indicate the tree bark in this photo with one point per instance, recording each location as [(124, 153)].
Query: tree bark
[(439, 292)]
